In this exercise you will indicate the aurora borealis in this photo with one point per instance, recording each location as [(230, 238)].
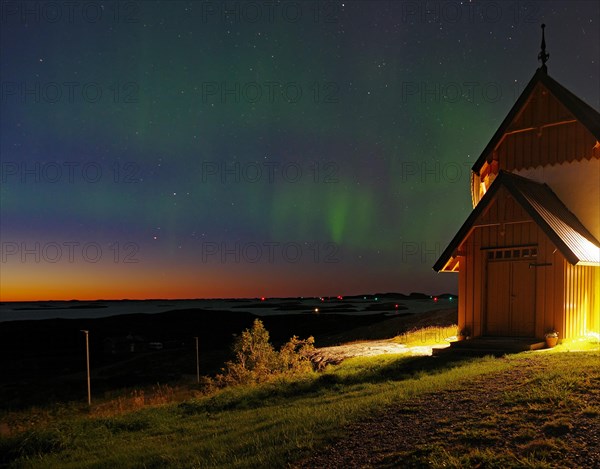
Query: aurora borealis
[(228, 149)]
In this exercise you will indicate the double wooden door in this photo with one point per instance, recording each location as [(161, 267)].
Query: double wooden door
[(510, 302)]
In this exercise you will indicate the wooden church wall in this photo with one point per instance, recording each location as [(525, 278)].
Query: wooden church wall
[(549, 291), (567, 297), (582, 300)]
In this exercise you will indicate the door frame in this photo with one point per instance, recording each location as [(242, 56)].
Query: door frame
[(511, 255)]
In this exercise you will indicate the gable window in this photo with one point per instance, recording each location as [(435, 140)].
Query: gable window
[(511, 253)]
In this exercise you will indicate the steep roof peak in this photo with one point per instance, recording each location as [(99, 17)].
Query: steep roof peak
[(583, 112)]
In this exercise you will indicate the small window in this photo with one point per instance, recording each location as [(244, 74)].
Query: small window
[(516, 253), (525, 252), (490, 254), (534, 252), (506, 254), (498, 254)]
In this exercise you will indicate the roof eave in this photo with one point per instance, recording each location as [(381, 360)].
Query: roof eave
[(507, 180), (466, 227), (588, 263)]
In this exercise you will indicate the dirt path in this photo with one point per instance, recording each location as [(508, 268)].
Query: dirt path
[(440, 429), (374, 339), (336, 354), (395, 326)]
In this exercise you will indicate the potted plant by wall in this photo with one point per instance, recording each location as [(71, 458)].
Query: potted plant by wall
[(551, 338), (464, 334)]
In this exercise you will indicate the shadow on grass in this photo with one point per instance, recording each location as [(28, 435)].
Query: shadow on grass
[(272, 393), (32, 443)]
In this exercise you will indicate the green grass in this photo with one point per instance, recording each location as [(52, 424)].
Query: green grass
[(431, 335), (586, 344), (272, 424)]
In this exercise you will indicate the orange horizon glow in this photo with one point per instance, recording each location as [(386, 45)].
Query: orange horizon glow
[(62, 284), (168, 291), (28, 282)]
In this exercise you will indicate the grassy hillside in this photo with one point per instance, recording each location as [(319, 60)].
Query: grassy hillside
[(542, 396)]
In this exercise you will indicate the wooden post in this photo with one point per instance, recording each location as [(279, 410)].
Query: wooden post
[(197, 362), (87, 361)]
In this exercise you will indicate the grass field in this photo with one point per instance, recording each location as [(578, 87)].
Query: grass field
[(280, 422)]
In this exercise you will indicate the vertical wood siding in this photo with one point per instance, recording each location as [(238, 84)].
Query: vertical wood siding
[(545, 132), (582, 309)]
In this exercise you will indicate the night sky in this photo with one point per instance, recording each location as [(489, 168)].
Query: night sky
[(243, 149)]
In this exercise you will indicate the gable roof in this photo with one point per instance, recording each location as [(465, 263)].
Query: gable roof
[(562, 227), (583, 112)]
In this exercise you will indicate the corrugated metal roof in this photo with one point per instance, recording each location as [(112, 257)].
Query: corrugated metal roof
[(558, 222), (567, 233)]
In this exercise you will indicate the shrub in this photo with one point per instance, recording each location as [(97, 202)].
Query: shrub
[(294, 356), (255, 359)]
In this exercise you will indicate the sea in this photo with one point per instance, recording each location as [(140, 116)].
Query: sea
[(29, 311)]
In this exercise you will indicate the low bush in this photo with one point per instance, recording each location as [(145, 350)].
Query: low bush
[(256, 360)]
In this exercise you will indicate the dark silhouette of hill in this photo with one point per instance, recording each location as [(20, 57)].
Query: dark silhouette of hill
[(44, 360)]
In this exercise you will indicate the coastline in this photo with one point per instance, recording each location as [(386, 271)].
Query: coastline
[(359, 304)]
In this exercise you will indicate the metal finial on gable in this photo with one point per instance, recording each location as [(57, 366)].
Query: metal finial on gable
[(543, 55)]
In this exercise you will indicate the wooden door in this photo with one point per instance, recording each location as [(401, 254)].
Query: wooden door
[(498, 301), (510, 299)]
